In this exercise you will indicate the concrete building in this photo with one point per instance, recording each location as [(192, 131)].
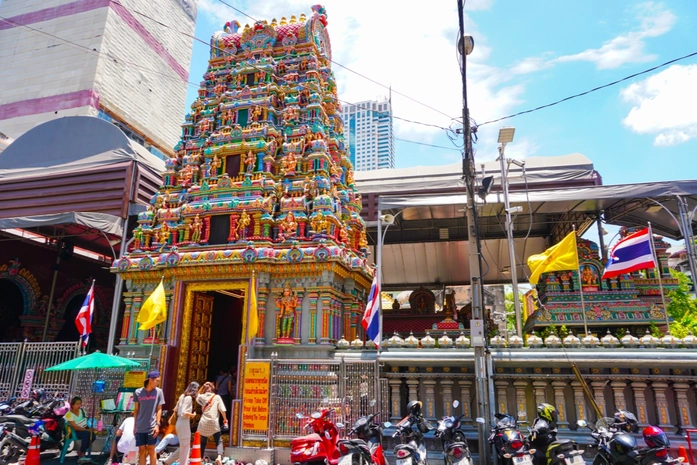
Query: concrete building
[(99, 58), (370, 134)]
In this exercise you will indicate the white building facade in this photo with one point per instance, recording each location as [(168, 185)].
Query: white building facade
[(368, 126), (106, 58)]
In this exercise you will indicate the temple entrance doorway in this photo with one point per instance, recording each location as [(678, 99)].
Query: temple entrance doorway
[(11, 308), (215, 334)]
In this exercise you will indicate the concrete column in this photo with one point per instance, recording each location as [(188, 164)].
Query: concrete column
[(521, 400), (501, 396), (540, 388), (314, 324), (125, 326), (396, 398), (599, 395), (639, 389), (447, 385), (683, 405), (579, 401), (618, 390), (662, 409), (262, 298), (430, 404), (560, 402), (413, 385), (466, 399)]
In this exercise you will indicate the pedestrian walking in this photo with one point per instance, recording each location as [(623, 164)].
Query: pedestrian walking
[(148, 413), (185, 412), (211, 408), (223, 386)]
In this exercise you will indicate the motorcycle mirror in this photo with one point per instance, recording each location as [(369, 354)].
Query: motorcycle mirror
[(582, 423), (299, 416), (373, 402), (480, 420), (387, 424), (456, 404), (340, 425)]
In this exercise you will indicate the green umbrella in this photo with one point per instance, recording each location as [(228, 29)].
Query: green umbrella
[(95, 360)]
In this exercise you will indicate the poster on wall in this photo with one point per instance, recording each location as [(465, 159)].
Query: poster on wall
[(255, 400)]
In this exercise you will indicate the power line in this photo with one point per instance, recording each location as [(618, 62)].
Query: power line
[(427, 145), (360, 107), (592, 90)]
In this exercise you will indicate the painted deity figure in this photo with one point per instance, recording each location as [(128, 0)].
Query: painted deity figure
[(289, 163), (242, 225), (249, 162), (286, 302), (320, 224), (196, 227), (163, 234), (363, 241), (288, 227), (589, 277), (256, 113), (215, 164), (137, 237)]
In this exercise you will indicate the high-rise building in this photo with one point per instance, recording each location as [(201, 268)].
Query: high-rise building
[(371, 138), (104, 58)]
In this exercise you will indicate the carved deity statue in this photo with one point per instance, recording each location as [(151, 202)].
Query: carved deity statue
[(256, 113), (286, 302), (242, 225), (288, 164), (288, 226), (137, 237), (363, 241), (249, 162), (163, 234), (195, 228), (215, 164), (589, 276), (320, 224)]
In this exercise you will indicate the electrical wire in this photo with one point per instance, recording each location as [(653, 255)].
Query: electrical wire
[(595, 89), (382, 113), (427, 145)]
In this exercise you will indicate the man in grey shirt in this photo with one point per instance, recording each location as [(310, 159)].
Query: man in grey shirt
[(148, 413)]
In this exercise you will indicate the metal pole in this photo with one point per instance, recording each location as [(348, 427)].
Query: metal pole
[(469, 174), (511, 243), (601, 239), (379, 275), (685, 225), (118, 287), (659, 271), (50, 294)]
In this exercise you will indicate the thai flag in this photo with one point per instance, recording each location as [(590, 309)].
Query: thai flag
[(83, 320), (371, 317), (634, 252)]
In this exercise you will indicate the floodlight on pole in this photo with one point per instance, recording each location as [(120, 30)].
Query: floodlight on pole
[(506, 135)]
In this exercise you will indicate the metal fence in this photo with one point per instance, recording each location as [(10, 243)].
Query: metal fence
[(347, 387), (23, 365)]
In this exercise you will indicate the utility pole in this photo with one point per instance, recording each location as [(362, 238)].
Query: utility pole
[(478, 322)]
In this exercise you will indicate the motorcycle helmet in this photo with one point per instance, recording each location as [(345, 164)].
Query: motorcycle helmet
[(414, 407), (627, 419), (654, 437), (549, 413), (38, 395)]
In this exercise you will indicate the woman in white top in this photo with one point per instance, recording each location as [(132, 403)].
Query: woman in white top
[(211, 407), (185, 412)]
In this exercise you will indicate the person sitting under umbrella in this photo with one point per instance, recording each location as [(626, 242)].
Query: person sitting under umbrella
[(78, 422)]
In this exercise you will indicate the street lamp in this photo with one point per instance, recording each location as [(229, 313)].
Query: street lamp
[(506, 137)]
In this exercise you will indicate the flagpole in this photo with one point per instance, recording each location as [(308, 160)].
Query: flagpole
[(660, 279), (580, 288)]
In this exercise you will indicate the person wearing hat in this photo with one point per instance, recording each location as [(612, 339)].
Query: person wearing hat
[(148, 413)]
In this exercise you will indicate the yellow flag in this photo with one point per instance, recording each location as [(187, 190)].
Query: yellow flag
[(253, 325), (154, 310), (562, 256)]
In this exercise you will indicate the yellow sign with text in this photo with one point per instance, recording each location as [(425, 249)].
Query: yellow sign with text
[(134, 379), (255, 397)]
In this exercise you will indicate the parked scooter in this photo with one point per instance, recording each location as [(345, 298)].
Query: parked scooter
[(367, 448), (412, 450), (616, 445), (657, 450), (452, 438), (509, 443), (321, 445)]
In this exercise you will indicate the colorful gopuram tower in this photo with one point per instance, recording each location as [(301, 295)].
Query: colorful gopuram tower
[(261, 186)]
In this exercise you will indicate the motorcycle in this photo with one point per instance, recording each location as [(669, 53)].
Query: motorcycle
[(613, 439), (548, 450), (367, 448), (509, 443), (412, 450), (319, 447), (19, 429), (657, 448), (452, 438), (9, 451)]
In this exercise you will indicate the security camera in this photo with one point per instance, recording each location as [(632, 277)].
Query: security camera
[(520, 164)]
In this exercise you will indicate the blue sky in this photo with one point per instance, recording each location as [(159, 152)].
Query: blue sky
[(527, 53)]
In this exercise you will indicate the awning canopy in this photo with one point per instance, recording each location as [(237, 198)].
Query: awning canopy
[(428, 242)]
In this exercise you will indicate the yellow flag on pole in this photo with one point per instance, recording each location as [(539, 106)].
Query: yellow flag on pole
[(154, 309), (253, 324), (562, 256)]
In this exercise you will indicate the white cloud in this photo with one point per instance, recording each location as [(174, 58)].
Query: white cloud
[(654, 21), (664, 104), (401, 48)]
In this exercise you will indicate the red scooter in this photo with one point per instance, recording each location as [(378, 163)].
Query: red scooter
[(320, 447)]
